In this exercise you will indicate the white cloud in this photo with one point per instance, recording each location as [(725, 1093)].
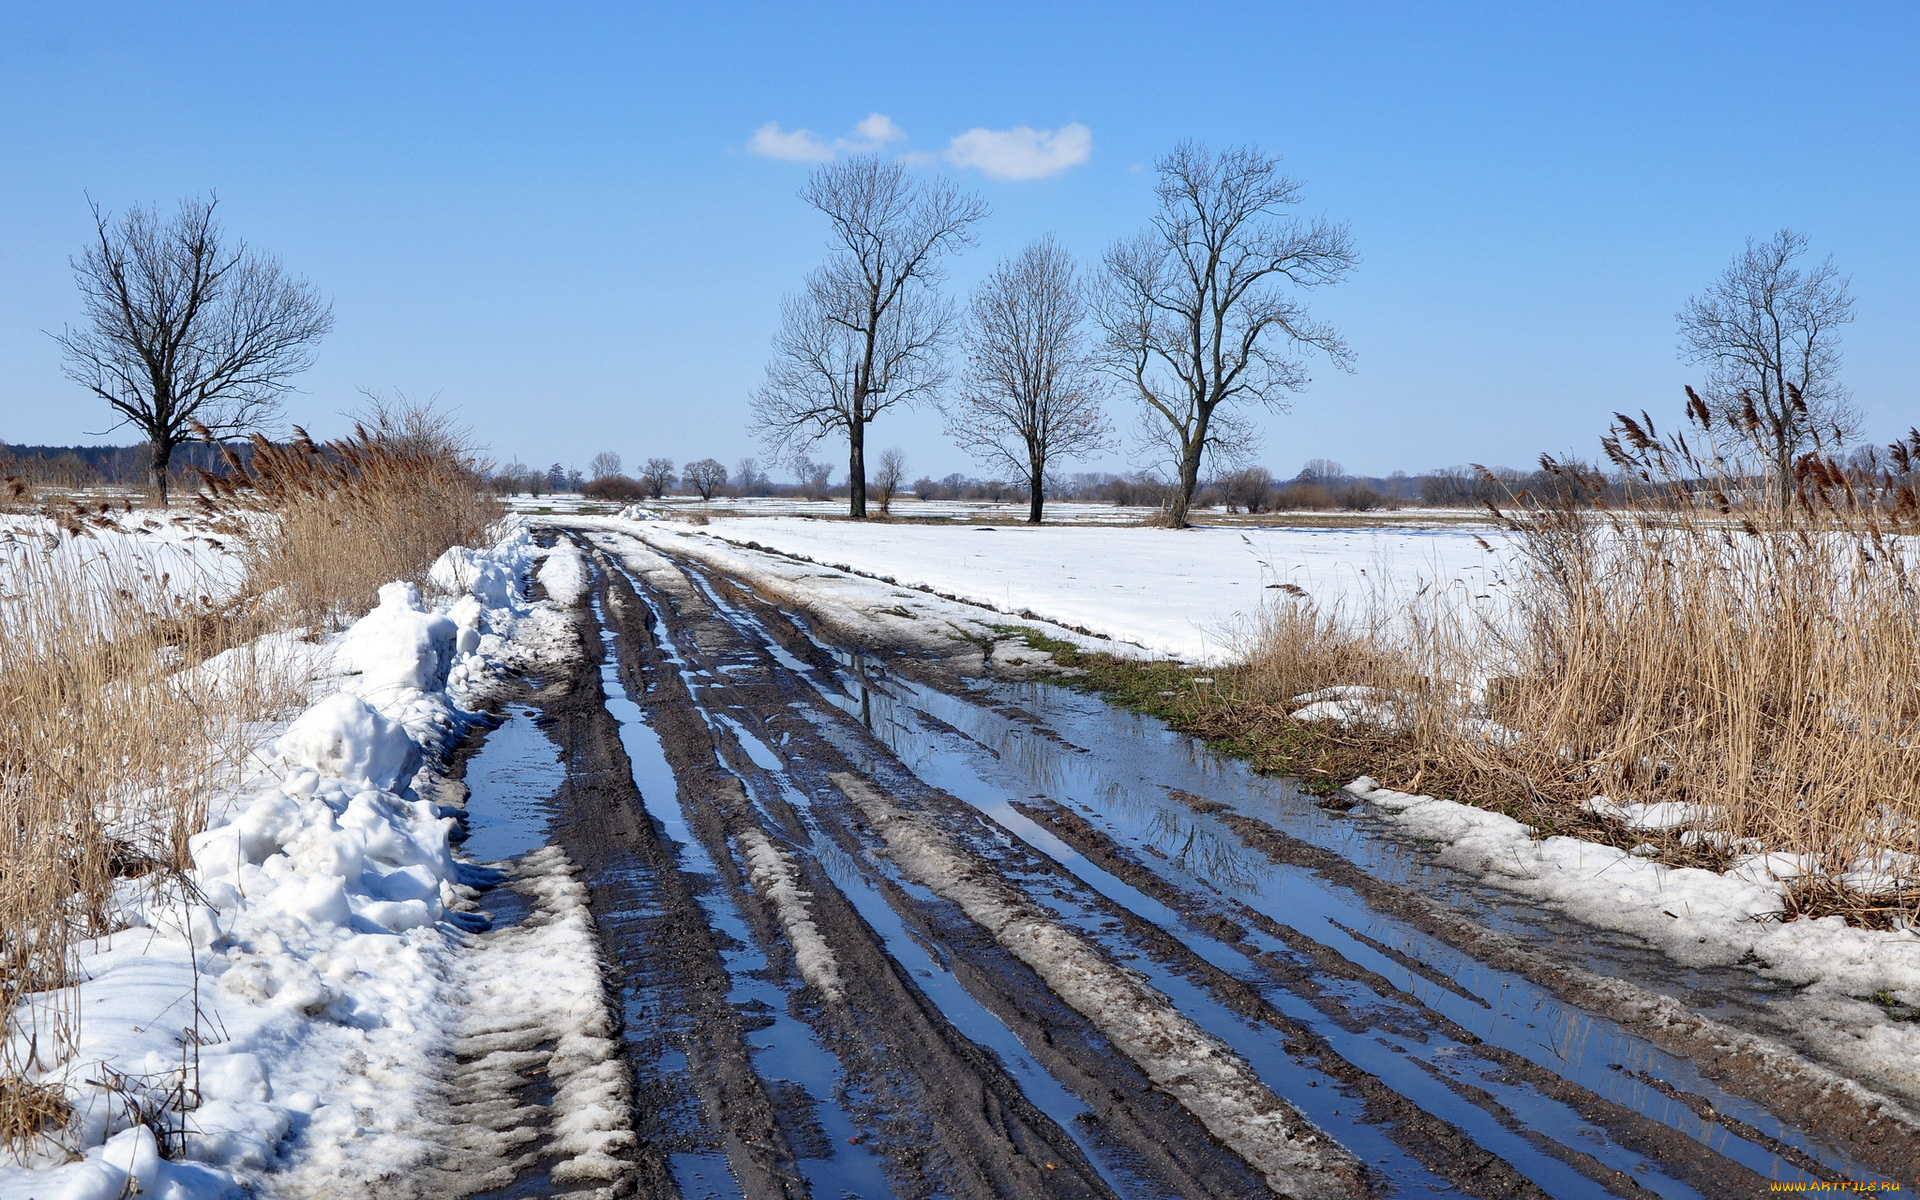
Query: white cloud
[(1021, 152), (874, 132), (799, 145)]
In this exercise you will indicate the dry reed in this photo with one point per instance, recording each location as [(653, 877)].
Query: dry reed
[(109, 748), (1699, 644), (321, 526)]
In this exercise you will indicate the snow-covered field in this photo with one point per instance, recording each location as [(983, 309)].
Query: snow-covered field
[(181, 548), (1059, 512), (1190, 594), (304, 982)]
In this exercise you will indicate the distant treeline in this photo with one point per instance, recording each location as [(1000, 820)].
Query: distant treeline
[(1321, 484), (93, 466)]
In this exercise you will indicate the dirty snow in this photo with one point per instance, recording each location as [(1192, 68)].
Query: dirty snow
[(775, 876), (324, 957)]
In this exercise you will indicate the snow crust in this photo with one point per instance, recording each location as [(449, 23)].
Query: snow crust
[(311, 976)]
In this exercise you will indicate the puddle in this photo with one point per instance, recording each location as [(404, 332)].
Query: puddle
[(511, 781)]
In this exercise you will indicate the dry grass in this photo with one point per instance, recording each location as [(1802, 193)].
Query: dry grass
[(108, 751), (322, 526), (29, 1109), (1701, 645)]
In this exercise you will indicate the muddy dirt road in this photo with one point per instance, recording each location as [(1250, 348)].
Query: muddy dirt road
[(878, 932)]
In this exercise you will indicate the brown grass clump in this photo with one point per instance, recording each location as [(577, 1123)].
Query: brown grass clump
[(29, 1109), (322, 526)]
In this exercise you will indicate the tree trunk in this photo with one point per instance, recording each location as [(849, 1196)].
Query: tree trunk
[(1189, 475), (1036, 497), (161, 457), (857, 469)]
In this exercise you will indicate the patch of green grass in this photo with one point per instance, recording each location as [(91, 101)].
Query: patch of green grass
[(1318, 755), (1891, 1005)]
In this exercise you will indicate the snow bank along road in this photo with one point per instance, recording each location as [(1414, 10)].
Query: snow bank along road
[(879, 931)]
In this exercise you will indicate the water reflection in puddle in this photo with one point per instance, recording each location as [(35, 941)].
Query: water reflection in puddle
[(1123, 771), (511, 781)]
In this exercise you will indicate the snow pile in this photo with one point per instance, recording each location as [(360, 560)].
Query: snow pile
[(345, 738), (303, 985)]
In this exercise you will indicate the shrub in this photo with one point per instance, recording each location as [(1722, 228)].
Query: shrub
[(618, 489), (1301, 495), (1357, 497)]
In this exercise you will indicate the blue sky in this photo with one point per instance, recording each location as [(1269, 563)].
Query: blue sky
[(553, 216)]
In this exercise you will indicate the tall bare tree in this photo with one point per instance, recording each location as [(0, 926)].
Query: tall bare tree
[(185, 329), (1769, 332), (1032, 391), (604, 464), (1199, 311), (868, 330)]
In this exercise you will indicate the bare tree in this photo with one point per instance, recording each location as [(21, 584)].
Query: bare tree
[(749, 479), (184, 329), (1770, 334), (868, 330), (811, 476), (1250, 488), (887, 479), (657, 477), (604, 464), (1199, 313), (706, 476), (1323, 471), (1032, 392)]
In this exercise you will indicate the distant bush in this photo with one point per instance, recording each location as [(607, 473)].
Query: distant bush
[(1251, 489), (1357, 497), (1301, 495), (616, 488)]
